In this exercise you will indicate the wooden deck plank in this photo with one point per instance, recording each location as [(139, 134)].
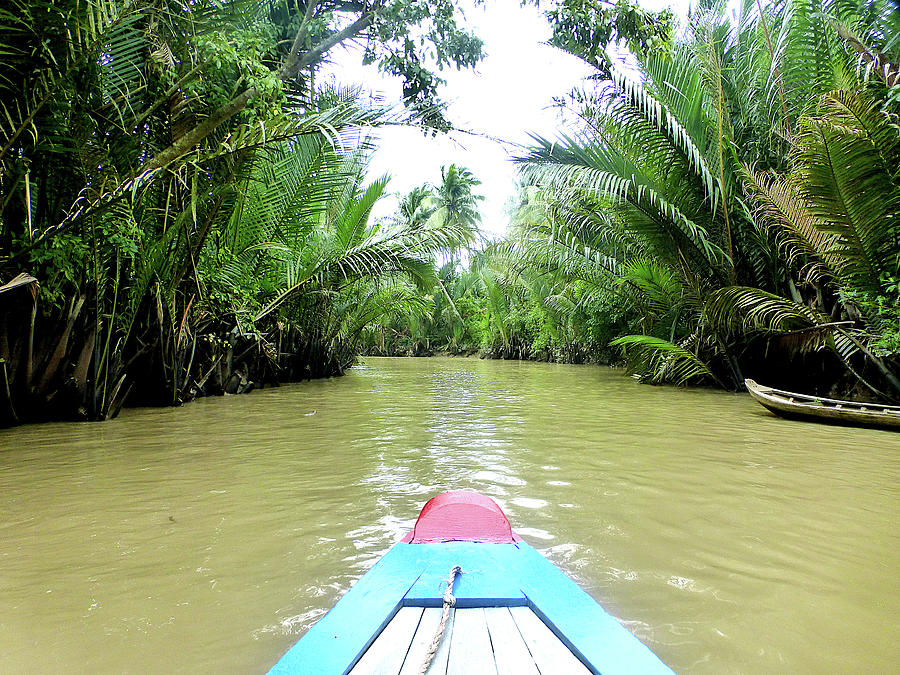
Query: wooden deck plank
[(550, 654), (385, 656), (470, 649), (439, 664), (421, 641), (510, 651)]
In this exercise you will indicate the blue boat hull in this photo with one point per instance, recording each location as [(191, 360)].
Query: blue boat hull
[(494, 575)]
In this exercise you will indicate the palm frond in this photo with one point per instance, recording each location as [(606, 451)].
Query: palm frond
[(659, 288), (339, 124), (778, 205), (592, 169), (657, 114), (742, 309), (658, 360), (849, 189), (56, 43)]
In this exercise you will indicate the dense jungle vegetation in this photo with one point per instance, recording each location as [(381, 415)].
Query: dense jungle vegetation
[(726, 208), (185, 211)]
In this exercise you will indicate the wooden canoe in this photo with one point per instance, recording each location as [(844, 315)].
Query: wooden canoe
[(510, 610), (834, 411)]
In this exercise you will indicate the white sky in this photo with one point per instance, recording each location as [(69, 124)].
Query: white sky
[(509, 94)]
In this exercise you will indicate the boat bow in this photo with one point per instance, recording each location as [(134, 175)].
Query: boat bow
[(499, 570)]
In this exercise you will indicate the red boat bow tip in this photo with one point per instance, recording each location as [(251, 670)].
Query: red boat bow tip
[(460, 515)]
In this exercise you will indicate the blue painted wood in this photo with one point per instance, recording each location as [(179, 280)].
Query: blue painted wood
[(340, 637), (493, 575), (482, 583), (601, 642)]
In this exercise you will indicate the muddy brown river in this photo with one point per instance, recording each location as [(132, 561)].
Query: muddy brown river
[(209, 538)]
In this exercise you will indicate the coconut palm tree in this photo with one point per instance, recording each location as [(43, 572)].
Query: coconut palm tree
[(456, 205)]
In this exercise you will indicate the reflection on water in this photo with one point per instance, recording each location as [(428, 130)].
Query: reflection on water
[(208, 538)]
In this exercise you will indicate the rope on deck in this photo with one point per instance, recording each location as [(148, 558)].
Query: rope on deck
[(449, 601)]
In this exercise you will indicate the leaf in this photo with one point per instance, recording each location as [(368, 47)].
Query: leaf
[(658, 360), (798, 232), (738, 310), (842, 176)]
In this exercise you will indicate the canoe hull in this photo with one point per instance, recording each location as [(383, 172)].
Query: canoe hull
[(830, 411)]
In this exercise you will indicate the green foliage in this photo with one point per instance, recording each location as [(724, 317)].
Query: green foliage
[(736, 310), (195, 208), (644, 201), (169, 175), (657, 361), (400, 28), (235, 58), (846, 169), (587, 28)]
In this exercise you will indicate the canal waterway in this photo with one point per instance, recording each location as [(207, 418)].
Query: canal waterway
[(209, 538)]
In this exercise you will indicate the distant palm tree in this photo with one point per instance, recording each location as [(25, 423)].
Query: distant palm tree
[(417, 206), (456, 205)]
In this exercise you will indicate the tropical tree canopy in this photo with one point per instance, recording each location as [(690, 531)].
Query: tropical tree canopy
[(185, 210), (740, 187), (170, 183)]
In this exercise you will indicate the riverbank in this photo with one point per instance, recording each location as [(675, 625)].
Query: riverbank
[(571, 355)]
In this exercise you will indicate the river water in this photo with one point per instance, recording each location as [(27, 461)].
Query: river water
[(208, 538)]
